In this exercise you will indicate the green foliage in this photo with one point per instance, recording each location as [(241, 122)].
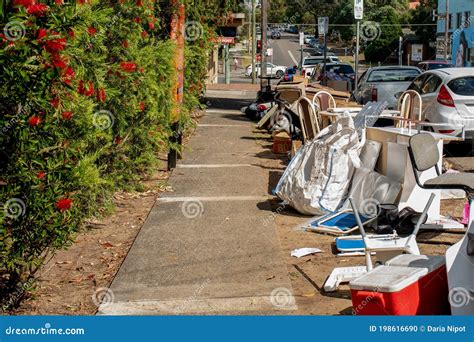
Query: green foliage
[(86, 97), (423, 14)]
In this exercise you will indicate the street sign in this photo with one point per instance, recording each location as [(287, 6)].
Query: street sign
[(323, 25), (301, 38), (270, 52), (358, 9)]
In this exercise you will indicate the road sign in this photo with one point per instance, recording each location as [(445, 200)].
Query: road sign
[(270, 52), (358, 9), (323, 25), (301, 38)]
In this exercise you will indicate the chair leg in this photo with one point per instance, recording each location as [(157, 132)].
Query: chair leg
[(471, 210)]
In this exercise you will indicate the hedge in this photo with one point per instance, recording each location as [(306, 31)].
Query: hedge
[(86, 95)]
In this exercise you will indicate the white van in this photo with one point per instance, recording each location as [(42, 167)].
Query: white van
[(309, 63)]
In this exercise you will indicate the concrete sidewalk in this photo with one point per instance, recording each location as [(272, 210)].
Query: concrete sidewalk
[(210, 246)]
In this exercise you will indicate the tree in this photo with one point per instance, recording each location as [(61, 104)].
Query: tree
[(385, 31), (423, 14)]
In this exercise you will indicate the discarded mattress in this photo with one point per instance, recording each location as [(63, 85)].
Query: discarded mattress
[(318, 177)]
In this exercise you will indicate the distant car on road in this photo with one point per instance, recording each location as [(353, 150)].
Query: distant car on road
[(308, 38), (381, 83), (448, 98), (309, 63), (275, 34), (334, 71), (433, 65), (272, 70)]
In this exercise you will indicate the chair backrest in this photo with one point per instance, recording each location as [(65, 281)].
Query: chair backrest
[(307, 114), (423, 151), (410, 106), (324, 100)]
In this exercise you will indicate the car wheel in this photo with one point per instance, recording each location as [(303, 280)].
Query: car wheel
[(280, 74)]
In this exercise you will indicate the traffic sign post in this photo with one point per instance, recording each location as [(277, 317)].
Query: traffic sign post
[(358, 16), (323, 29), (301, 51)]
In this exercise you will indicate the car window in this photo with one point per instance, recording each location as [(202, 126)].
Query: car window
[(434, 66), (416, 84), (312, 61), (363, 78), (431, 84), (393, 75), (462, 86), (340, 69)]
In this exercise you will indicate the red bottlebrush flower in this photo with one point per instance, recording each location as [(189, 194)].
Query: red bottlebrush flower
[(24, 3), (58, 62), (71, 34), (144, 34), (90, 91), (125, 44), (42, 33), (37, 10), (142, 106), (128, 66), (54, 102), (151, 26), (66, 115), (54, 45), (68, 75), (139, 3), (64, 204), (118, 140), (101, 96), (80, 87), (137, 19), (92, 31), (34, 121), (58, 2), (41, 175)]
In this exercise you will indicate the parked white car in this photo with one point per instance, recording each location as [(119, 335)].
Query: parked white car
[(310, 63), (448, 98), (308, 38), (272, 70)]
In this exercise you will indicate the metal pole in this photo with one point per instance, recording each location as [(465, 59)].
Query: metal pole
[(226, 64), (324, 59), (301, 58), (263, 25), (254, 42), (400, 42), (446, 33), (356, 78)]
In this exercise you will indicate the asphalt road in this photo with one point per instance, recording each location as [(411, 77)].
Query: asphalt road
[(286, 51)]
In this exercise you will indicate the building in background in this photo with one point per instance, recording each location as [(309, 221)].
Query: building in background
[(460, 43)]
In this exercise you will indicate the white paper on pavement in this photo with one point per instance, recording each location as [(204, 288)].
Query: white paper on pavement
[(301, 252)]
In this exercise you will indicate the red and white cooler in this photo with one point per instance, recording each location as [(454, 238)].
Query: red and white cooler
[(406, 285)]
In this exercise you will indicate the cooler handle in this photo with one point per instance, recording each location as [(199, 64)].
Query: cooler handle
[(368, 297)]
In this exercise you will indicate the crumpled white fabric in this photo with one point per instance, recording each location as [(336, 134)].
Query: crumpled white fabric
[(318, 177)]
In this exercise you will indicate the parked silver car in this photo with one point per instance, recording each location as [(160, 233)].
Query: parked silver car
[(448, 98), (381, 83)]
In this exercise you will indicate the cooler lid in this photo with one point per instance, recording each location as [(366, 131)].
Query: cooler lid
[(409, 260), (388, 278)]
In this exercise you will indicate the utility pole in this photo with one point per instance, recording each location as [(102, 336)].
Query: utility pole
[(358, 16), (400, 52), (254, 42), (446, 33), (263, 59)]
